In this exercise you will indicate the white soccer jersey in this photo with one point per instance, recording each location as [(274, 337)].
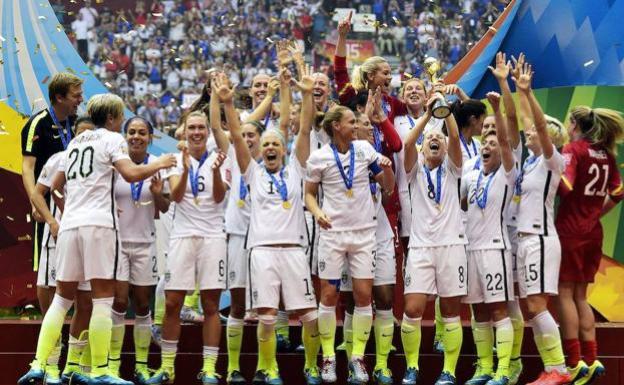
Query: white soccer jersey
[(271, 223), (136, 219), (206, 218), (45, 178), (470, 148), (486, 228), (237, 209), (318, 138), (433, 224), (346, 213), (512, 209), (384, 230), (267, 121), (88, 168), (540, 179)]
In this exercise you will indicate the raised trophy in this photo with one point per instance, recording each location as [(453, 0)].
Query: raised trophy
[(440, 108)]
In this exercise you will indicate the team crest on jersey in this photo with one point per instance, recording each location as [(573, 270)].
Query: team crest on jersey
[(53, 274), (359, 154), (322, 266), (255, 295), (408, 280), (232, 275)]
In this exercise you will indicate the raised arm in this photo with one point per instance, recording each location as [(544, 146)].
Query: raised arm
[(221, 138), (161, 201), (302, 143), (454, 146), (409, 145), (525, 110), (378, 117), (285, 102), (501, 73), (523, 83), (266, 105), (501, 132), (137, 172), (344, 26)]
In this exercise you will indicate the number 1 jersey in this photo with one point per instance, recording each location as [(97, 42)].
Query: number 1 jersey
[(90, 176)]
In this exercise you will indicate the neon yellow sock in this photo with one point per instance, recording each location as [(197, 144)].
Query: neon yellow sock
[(85, 358), (311, 341), (210, 354), (517, 320), (452, 339), (384, 331), (142, 337), (347, 334), (74, 352), (192, 300), (410, 337), (100, 335), (362, 323), (282, 326), (483, 336), (51, 329), (234, 333), (159, 302), (439, 323), (168, 355), (267, 343), (116, 342), (551, 351), (327, 329), (504, 345)]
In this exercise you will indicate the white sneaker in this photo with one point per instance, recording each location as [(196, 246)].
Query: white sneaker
[(328, 369), (357, 371), (188, 314)]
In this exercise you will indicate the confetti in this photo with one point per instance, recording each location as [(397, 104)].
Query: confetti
[(26, 237), (16, 41), (157, 14), (58, 194), (53, 47), (588, 63), (269, 40), (27, 218), (231, 25), (146, 203), (10, 218), (407, 75), (42, 17), (107, 84), (396, 20), (85, 73), (177, 60), (2, 38), (70, 13), (59, 28), (71, 70)]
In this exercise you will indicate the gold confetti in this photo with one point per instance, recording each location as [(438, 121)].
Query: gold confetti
[(85, 73), (53, 47), (70, 13), (231, 25), (59, 28), (99, 1), (42, 17), (407, 75), (397, 21), (45, 80), (269, 40), (72, 1), (71, 70), (107, 84), (177, 59), (10, 218), (157, 14), (146, 203), (58, 194), (24, 238), (27, 218), (588, 63)]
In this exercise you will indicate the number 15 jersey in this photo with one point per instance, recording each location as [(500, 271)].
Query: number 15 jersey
[(90, 176)]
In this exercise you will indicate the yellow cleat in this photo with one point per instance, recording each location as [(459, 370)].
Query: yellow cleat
[(594, 371), (579, 371)]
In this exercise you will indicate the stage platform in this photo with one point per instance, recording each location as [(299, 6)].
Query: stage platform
[(19, 340)]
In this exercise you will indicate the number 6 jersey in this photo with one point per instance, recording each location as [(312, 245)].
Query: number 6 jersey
[(90, 176)]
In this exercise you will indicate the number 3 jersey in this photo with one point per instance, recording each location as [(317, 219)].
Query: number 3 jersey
[(90, 179), (591, 174)]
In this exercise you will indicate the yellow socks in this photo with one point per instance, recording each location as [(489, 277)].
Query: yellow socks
[(549, 342), (168, 355), (116, 343), (347, 334), (267, 342), (452, 339), (504, 345), (51, 328), (210, 355), (517, 320), (384, 331), (362, 323), (281, 326), (100, 335), (142, 337), (234, 333), (75, 351), (483, 336), (327, 329), (410, 336), (311, 338)]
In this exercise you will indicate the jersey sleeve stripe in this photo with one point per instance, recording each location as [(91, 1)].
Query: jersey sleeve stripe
[(31, 130)]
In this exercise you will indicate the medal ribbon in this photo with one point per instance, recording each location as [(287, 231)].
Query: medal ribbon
[(65, 135), (194, 176), (474, 146), (481, 202), (281, 186), (348, 180), (437, 191), (135, 188)]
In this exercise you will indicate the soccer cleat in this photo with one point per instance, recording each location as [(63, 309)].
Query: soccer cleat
[(208, 378), (235, 377), (438, 346), (75, 378), (498, 380), (410, 377), (34, 376), (113, 366), (161, 377), (328, 370), (383, 377), (357, 372), (552, 378), (107, 379), (259, 378), (312, 376), (479, 378), (188, 314), (446, 378), (300, 349), (515, 370), (579, 371), (594, 371), (52, 376), (283, 344), (141, 376), (157, 334), (273, 377)]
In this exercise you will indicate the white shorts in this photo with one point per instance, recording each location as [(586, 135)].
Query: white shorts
[(138, 263), (489, 276), (279, 270), (384, 262), (437, 270), (46, 273), (352, 248), (237, 262), (86, 253), (539, 259), (405, 214), (313, 236), (196, 262), (513, 240)]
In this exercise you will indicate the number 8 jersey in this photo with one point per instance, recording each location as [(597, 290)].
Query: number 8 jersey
[(90, 176)]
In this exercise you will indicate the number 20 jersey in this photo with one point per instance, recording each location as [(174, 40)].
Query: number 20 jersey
[(592, 174), (90, 179)]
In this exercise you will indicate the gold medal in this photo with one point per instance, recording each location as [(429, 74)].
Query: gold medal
[(286, 205), (196, 200), (349, 193), (240, 203)]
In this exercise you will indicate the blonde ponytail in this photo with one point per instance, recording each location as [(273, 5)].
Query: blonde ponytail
[(359, 75), (556, 131), (602, 126)]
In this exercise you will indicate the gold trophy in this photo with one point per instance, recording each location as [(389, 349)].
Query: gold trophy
[(440, 108)]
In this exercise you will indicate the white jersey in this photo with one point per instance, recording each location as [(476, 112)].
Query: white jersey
[(266, 121), (384, 230), (470, 149), (271, 223), (318, 138), (487, 228), (340, 208), (45, 178), (136, 219), (90, 176), (433, 224), (237, 210), (512, 209), (204, 219), (540, 179)]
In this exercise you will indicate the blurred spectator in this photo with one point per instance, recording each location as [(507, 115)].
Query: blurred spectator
[(89, 14), (81, 29)]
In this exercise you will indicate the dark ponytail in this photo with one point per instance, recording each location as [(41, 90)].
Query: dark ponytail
[(462, 111)]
